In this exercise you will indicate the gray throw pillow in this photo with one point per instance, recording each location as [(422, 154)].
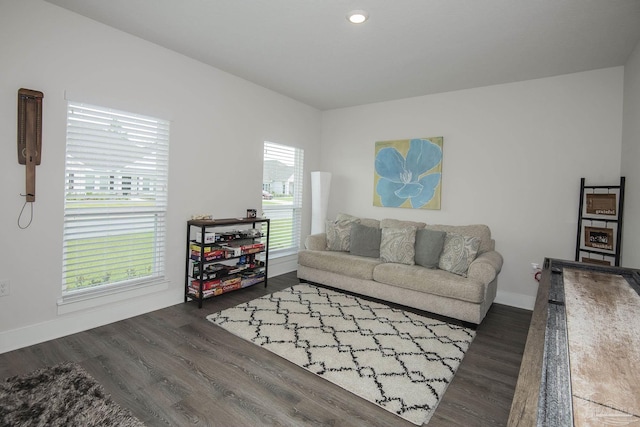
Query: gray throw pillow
[(365, 241), (429, 244), (398, 245), (458, 252)]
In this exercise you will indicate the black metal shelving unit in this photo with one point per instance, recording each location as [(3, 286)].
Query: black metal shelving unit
[(197, 267), (599, 234)]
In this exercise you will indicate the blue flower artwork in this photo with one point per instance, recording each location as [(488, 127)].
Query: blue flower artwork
[(408, 173)]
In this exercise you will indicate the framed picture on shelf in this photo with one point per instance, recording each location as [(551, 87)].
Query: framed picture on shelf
[(596, 261), (599, 237), (599, 231), (602, 203)]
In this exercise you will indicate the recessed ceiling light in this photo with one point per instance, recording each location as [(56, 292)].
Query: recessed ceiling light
[(357, 16)]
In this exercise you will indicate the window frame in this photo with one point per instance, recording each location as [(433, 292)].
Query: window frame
[(116, 179), (285, 154)]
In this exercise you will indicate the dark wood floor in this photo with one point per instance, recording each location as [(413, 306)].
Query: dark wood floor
[(172, 367)]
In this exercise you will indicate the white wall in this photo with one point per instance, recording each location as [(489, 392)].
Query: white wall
[(513, 155), (218, 125), (631, 160), (513, 158)]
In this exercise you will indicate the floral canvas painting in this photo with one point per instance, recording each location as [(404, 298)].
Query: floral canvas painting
[(408, 173)]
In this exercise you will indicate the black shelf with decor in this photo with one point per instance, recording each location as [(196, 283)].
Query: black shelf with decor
[(225, 255), (599, 234)]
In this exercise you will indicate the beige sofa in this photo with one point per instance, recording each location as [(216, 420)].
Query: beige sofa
[(466, 295)]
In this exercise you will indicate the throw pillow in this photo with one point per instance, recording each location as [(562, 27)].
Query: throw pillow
[(365, 241), (346, 217), (396, 223), (458, 252), (398, 245), (369, 222), (429, 244), (338, 235)]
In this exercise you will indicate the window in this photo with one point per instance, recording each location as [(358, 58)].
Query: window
[(282, 196), (115, 203)]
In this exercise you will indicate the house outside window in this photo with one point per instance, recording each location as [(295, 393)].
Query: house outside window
[(282, 196), (116, 176)]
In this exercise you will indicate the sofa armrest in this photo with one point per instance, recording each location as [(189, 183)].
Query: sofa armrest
[(485, 267), (316, 242)]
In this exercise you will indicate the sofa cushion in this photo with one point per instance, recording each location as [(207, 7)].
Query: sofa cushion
[(429, 244), (398, 245), (480, 231), (437, 282), (339, 234), (340, 263), (365, 241), (458, 252)]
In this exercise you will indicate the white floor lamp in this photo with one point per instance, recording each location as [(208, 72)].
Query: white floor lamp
[(320, 185)]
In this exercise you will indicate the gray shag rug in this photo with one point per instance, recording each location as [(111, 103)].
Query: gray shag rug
[(396, 359), (62, 395)]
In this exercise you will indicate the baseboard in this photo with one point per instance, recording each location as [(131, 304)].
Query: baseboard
[(80, 321), (71, 323), (515, 300)]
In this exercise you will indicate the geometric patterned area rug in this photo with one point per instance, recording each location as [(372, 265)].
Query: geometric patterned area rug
[(62, 395), (401, 361)]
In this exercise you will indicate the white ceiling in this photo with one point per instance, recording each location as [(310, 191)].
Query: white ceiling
[(307, 50)]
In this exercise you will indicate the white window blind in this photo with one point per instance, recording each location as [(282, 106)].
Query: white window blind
[(116, 175), (282, 177)]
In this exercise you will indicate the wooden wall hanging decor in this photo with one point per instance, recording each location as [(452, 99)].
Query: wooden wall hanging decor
[(30, 136)]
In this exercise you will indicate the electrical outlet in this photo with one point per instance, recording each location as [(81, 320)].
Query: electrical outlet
[(4, 287), (535, 267)]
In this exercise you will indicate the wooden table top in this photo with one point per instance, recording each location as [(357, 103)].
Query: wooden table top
[(602, 312), (603, 315)]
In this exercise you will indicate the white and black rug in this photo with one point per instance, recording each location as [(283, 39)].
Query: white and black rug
[(398, 360), (62, 395)]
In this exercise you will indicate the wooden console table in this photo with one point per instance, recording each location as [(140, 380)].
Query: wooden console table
[(581, 363)]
